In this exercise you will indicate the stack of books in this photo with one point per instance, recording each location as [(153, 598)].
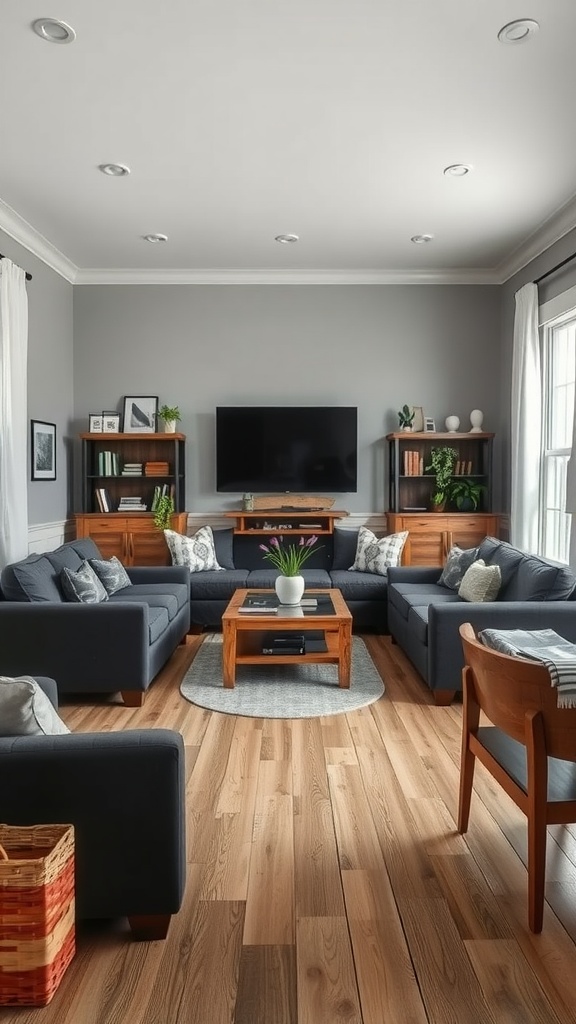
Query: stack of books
[(108, 464), (131, 505), (132, 469), (413, 464), (103, 499), (156, 469)]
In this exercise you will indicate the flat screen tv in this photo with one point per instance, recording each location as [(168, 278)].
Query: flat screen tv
[(302, 450)]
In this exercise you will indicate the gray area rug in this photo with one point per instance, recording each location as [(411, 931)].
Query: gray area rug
[(280, 691)]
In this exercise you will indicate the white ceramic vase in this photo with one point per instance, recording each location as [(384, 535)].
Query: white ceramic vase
[(476, 419), (169, 426), (452, 424), (289, 589)]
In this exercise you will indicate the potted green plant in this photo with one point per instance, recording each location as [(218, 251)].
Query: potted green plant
[(442, 462), (406, 417), (163, 512), (289, 559), (170, 414), (466, 493)]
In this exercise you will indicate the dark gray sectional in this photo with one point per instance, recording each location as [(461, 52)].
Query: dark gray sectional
[(117, 645), (244, 565), (424, 616)]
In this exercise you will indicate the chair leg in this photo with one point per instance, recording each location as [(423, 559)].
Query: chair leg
[(149, 927), (537, 764), (467, 765), (470, 720)]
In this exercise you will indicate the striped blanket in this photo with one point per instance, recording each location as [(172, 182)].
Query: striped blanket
[(556, 653)]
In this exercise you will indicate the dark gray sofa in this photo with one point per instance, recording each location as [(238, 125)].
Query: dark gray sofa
[(117, 645), (424, 616), (124, 794), (241, 557)]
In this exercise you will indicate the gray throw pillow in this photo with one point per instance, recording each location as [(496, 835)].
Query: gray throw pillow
[(111, 572), (375, 554), (480, 583), (83, 585), (457, 562), (25, 710)]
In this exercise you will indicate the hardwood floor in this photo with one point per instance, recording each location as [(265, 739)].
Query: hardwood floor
[(326, 881)]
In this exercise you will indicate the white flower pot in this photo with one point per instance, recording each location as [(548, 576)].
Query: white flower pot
[(169, 426), (289, 589)]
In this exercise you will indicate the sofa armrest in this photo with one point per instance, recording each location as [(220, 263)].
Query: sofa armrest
[(83, 644), (414, 573), (124, 794), (158, 574), (445, 654)]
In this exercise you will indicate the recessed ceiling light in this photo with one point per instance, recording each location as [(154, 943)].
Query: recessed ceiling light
[(518, 31), (287, 239), (457, 170), (54, 31), (114, 170), (421, 239), (155, 238)]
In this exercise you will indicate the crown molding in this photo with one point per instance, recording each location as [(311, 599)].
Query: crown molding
[(285, 277), (23, 233), (551, 231)]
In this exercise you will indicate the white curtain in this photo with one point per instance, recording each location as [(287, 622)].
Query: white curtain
[(526, 426), (571, 493), (13, 413)]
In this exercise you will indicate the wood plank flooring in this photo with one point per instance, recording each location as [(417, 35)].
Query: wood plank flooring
[(326, 881)]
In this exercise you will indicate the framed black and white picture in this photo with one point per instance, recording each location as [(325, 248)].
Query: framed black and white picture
[(110, 422), (43, 436), (95, 423), (140, 414), (429, 425)]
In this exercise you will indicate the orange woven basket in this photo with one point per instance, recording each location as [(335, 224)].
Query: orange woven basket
[(37, 931)]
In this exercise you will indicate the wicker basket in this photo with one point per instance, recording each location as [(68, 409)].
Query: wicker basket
[(37, 936)]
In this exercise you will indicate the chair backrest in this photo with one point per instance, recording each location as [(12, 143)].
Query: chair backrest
[(506, 688)]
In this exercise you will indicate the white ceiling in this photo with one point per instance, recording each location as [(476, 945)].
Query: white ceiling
[(330, 119)]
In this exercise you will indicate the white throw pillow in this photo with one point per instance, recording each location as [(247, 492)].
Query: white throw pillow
[(25, 710), (196, 552), (377, 554), (480, 582)]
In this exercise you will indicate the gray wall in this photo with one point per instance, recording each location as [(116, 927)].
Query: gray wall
[(50, 376), (371, 346)]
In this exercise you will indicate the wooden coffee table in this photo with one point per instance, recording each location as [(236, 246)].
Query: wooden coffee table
[(243, 634)]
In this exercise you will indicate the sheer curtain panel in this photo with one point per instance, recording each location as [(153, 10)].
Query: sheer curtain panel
[(13, 413), (526, 427)]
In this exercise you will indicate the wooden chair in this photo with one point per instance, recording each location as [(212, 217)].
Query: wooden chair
[(530, 748)]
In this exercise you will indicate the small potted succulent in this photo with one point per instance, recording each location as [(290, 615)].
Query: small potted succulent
[(170, 414), (442, 461), (406, 417)]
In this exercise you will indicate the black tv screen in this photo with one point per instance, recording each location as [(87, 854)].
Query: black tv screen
[(299, 449)]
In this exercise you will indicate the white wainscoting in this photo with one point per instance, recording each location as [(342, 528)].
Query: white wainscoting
[(46, 536)]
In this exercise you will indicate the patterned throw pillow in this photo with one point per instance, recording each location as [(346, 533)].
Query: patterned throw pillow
[(457, 562), (481, 582), (111, 572), (376, 554), (25, 710), (196, 552), (82, 585)]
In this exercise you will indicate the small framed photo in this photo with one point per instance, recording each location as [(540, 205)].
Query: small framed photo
[(140, 414), (43, 437), (95, 423), (111, 422), (429, 425)]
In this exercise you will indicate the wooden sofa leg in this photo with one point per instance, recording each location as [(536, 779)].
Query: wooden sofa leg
[(133, 698), (443, 697), (149, 927)]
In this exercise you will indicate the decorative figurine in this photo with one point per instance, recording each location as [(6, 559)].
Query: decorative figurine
[(476, 418)]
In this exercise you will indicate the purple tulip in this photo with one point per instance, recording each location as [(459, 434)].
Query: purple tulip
[(263, 548), (274, 542), (311, 541), (301, 543)]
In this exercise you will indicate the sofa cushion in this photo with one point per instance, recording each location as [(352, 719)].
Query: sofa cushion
[(404, 596), (25, 710), (85, 547), (359, 586), (217, 586), (197, 552), (64, 557), (345, 544), (458, 561), (508, 558), (32, 579), (538, 580), (83, 585), (480, 583), (375, 554), (111, 573), (223, 546), (158, 598)]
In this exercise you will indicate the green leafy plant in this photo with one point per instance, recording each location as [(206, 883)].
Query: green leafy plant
[(406, 416), (163, 512), (466, 493), (170, 413), (289, 558), (442, 462)]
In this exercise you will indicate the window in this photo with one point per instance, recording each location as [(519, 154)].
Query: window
[(559, 367)]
